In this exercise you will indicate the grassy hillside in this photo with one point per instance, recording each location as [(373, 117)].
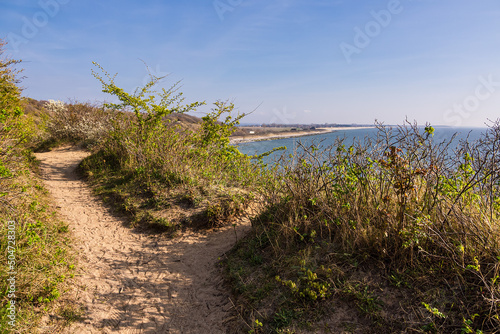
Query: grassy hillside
[(394, 234), (401, 230), (400, 233), (37, 260)]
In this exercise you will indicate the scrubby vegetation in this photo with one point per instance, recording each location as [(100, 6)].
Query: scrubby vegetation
[(398, 233), (405, 228), (162, 173), (356, 224), (36, 257)]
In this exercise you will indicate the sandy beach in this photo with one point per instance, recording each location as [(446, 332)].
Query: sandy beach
[(291, 134)]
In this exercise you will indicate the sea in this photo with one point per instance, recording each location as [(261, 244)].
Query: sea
[(349, 136)]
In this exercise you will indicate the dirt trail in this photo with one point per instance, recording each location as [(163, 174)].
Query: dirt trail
[(133, 282)]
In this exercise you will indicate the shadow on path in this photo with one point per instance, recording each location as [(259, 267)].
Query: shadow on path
[(133, 282)]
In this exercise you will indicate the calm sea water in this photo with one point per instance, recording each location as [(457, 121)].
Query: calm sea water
[(327, 139)]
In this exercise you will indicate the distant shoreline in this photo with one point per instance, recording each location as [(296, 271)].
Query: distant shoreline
[(292, 134)]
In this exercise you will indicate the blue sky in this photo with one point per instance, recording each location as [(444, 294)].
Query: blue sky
[(292, 61)]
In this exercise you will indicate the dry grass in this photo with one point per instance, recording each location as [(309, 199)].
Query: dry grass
[(400, 228), (35, 246), (44, 259), (426, 215), (37, 241)]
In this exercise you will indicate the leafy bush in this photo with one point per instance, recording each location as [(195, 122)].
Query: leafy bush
[(9, 90), (147, 150), (15, 128)]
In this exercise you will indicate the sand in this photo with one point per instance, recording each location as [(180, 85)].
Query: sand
[(292, 134), (132, 282)]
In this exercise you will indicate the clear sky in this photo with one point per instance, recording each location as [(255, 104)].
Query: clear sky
[(294, 61)]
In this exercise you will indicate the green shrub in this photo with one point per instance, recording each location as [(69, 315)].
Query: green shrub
[(145, 149), (34, 244)]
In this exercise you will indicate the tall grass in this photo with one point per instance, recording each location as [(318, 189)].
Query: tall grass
[(403, 199), (34, 243), (423, 210)]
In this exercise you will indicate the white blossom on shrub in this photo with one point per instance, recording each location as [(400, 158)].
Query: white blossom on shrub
[(77, 121)]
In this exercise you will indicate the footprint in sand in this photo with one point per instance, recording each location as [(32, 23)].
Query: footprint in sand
[(133, 282)]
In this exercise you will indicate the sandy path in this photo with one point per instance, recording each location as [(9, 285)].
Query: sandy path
[(133, 282)]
